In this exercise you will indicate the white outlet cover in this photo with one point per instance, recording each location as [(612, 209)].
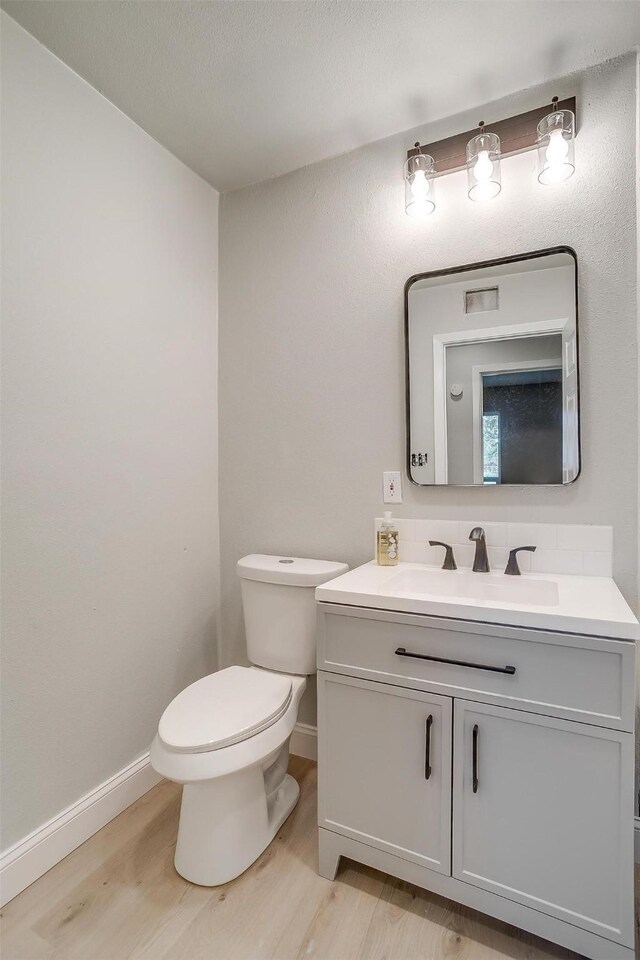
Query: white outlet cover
[(392, 486)]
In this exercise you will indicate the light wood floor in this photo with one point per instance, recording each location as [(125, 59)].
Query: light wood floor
[(118, 896)]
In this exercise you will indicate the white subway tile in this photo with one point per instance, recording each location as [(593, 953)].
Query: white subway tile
[(584, 537), (561, 548), (541, 535), (495, 533), (498, 557), (464, 553), (444, 530), (597, 564), (412, 552), (406, 529), (557, 561)]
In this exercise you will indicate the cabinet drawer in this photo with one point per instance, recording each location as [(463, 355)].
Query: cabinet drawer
[(581, 678)]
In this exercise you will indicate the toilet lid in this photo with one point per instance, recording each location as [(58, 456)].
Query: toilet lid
[(224, 708)]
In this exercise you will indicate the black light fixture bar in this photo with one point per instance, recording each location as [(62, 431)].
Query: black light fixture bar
[(517, 134)]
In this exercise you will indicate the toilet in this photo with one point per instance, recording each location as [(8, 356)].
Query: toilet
[(226, 737)]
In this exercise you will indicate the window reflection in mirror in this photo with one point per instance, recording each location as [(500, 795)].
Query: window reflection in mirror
[(492, 373)]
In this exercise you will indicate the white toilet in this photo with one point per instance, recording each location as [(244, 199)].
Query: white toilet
[(226, 737)]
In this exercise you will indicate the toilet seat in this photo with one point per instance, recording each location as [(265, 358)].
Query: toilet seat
[(224, 708)]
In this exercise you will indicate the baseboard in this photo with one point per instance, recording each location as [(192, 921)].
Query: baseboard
[(304, 741), (32, 856), (636, 840)]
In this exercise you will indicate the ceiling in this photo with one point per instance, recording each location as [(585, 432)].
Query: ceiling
[(245, 90)]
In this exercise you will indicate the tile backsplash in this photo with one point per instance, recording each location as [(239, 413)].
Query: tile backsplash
[(561, 548)]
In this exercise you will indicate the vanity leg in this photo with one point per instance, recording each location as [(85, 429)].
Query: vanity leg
[(328, 853)]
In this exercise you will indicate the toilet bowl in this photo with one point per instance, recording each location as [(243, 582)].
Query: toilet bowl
[(226, 737)]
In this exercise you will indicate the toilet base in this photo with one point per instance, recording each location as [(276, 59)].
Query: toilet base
[(226, 823), (284, 800)]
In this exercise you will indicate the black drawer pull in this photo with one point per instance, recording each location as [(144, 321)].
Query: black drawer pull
[(475, 758), (427, 749), (401, 652)]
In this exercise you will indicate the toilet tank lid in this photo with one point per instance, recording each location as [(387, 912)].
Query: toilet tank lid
[(296, 571)]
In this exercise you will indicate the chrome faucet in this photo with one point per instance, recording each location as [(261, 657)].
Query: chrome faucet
[(481, 560)]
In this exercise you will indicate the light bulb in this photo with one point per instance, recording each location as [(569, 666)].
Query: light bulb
[(419, 190), (419, 186), (483, 168), (556, 133), (558, 149)]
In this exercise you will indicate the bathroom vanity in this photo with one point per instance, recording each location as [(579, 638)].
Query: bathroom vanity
[(470, 748)]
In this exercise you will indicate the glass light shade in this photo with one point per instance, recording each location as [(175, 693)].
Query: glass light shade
[(483, 166), (556, 134), (419, 185)]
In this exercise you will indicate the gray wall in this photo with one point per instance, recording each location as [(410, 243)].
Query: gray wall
[(109, 434), (312, 267)]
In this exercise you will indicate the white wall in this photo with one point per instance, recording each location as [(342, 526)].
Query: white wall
[(312, 271), (110, 434)]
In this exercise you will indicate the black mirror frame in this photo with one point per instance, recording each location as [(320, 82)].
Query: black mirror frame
[(536, 254)]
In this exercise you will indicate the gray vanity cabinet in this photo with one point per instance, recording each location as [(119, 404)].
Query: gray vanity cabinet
[(543, 824), (437, 766), (386, 768)]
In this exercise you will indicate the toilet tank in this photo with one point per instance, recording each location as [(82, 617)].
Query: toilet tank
[(278, 601)]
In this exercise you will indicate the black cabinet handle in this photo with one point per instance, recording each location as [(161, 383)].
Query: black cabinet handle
[(475, 758), (401, 652), (427, 748)]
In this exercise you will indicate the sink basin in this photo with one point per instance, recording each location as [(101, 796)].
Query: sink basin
[(481, 587), (556, 602)]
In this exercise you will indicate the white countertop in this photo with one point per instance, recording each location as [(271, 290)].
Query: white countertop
[(587, 605)]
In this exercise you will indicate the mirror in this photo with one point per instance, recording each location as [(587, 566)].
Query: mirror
[(492, 372)]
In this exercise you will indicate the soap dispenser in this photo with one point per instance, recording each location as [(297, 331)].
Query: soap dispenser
[(387, 542)]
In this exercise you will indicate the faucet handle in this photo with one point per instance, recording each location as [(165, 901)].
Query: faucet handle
[(512, 569), (449, 559)]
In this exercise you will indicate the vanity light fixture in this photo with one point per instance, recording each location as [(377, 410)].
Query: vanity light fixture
[(556, 134), (483, 165), (419, 185), (550, 133)]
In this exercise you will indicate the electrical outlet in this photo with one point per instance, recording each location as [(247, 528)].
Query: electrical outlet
[(391, 486)]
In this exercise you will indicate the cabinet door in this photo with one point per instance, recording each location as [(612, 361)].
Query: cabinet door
[(384, 768), (542, 814)]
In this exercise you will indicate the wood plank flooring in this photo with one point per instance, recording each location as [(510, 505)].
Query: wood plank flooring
[(118, 896)]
